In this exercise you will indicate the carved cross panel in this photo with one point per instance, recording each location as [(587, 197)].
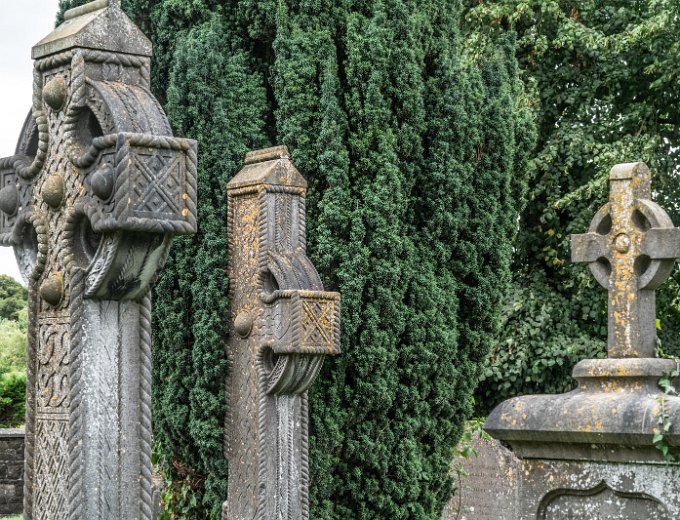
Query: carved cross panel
[(631, 248), (90, 201), (283, 325)]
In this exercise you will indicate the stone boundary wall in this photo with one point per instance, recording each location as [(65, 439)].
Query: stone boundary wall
[(11, 472)]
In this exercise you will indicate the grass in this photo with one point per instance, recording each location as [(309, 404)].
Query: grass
[(12, 517)]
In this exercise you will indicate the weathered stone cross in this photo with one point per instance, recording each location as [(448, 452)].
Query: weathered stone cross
[(90, 201), (631, 249), (283, 325)]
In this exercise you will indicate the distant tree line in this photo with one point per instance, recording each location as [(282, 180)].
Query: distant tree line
[(13, 314)]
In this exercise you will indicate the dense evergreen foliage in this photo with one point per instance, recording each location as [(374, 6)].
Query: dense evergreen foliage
[(12, 398), (13, 297), (416, 155), (13, 315), (605, 80)]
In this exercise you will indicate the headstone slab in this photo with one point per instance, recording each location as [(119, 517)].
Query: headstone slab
[(589, 453), (488, 488), (283, 324), (90, 201)]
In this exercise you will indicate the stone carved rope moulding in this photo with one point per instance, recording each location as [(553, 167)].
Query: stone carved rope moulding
[(283, 325), (90, 200)]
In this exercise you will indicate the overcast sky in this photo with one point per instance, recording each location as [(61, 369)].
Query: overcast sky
[(23, 24)]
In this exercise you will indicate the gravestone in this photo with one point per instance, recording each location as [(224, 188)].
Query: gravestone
[(589, 454), (283, 325), (90, 201), (486, 482)]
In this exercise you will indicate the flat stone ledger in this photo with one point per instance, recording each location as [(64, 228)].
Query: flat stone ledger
[(90, 201), (590, 453), (283, 325), (489, 488), (11, 472)]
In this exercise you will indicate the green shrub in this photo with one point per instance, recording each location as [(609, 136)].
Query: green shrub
[(12, 399), (12, 345), (538, 347)]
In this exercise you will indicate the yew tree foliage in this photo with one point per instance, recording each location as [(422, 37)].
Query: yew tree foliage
[(606, 85), (416, 155)]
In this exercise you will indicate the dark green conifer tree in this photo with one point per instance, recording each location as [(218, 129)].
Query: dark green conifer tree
[(415, 153)]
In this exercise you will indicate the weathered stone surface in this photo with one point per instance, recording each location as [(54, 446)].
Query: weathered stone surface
[(283, 325), (556, 490), (616, 401), (630, 248), (489, 489), (11, 471), (589, 454), (101, 186)]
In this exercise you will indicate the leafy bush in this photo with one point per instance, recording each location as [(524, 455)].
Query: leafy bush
[(12, 399), (13, 297), (12, 345), (540, 344)]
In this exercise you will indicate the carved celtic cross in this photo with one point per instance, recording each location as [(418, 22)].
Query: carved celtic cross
[(89, 202), (631, 249), (284, 324)]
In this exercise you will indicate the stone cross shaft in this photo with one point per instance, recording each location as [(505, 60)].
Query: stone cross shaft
[(630, 247), (283, 325), (90, 201)]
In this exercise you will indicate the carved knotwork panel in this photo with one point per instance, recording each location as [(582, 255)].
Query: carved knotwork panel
[(51, 468), (53, 365), (306, 322)]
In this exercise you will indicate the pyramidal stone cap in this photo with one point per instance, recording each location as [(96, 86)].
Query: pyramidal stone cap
[(272, 167), (89, 27)]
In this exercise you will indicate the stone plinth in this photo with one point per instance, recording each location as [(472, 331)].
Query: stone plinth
[(11, 472)]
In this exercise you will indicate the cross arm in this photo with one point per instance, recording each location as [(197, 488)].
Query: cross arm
[(588, 247), (661, 243), (14, 198)]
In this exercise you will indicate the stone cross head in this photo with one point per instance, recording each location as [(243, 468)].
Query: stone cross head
[(630, 248)]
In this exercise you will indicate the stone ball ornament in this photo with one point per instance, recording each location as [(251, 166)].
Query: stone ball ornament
[(55, 92)]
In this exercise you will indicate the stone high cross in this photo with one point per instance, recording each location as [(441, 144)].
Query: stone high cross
[(90, 201), (631, 247), (283, 325)]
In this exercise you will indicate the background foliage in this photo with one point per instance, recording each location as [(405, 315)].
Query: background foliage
[(12, 398), (415, 151), (604, 77), (13, 314)]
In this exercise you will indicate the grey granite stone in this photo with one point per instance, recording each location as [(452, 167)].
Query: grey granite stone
[(100, 186), (283, 325), (488, 487), (11, 472)]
